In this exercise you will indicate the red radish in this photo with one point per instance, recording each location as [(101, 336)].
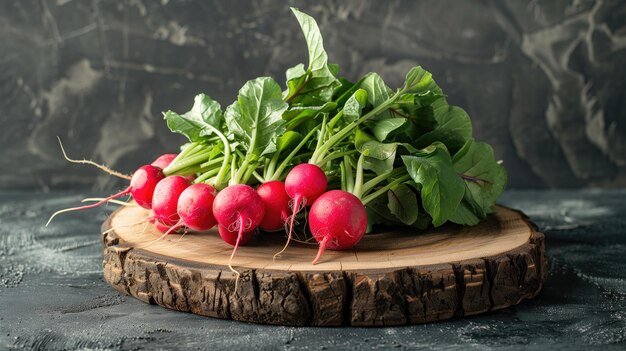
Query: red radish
[(337, 221), (164, 160), (304, 184), (195, 207), (276, 203), (165, 199), (238, 208), (143, 183), (230, 237), (142, 186)]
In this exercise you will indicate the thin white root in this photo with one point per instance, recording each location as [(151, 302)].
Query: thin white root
[(117, 202), (242, 220), (230, 266), (88, 162), (296, 208)]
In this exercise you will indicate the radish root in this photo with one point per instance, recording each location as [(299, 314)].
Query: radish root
[(242, 220), (88, 162), (295, 209), (117, 202), (321, 250), (105, 200)]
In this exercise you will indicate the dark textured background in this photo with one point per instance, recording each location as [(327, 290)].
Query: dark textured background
[(544, 81)]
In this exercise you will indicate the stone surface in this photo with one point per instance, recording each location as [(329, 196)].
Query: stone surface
[(543, 81), (53, 296)]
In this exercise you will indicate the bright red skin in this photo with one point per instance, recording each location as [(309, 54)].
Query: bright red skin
[(165, 199), (143, 183), (306, 181), (340, 215), (276, 203), (164, 160), (195, 207), (237, 201), (231, 237)]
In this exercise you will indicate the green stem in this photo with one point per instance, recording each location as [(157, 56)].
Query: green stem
[(271, 167), (198, 157), (204, 176), (212, 162), (233, 169), (384, 189), (358, 181), (349, 178), (243, 168), (258, 177), (248, 174), (224, 168), (376, 180), (337, 117), (319, 153), (285, 163), (344, 180), (336, 155)]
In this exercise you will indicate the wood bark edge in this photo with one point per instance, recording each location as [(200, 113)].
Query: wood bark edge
[(383, 297)]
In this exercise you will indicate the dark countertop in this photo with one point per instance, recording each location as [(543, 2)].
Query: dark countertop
[(52, 294)]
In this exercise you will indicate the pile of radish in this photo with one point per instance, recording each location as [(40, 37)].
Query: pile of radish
[(343, 157)]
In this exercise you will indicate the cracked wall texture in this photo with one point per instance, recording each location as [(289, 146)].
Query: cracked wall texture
[(544, 82)]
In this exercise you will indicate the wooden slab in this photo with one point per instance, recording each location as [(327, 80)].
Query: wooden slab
[(392, 278)]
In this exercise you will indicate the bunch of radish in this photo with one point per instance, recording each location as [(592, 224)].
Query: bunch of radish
[(344, 156)]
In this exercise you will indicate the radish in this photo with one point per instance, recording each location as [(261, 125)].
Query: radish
[(195, 207), (337, 221), (142, 187), (304, 184), (238, 208), (276, 203), (165, 199)]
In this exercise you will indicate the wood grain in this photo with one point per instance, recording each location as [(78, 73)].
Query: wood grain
[(392, 278)]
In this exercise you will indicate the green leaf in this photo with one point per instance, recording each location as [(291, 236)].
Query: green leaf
[(298, 110), (255, 119), (287, 140), (379, 157), (468, 212), (442, 188), (419, 81), (193, 124), (295, 72), (402, 203), (318, 82), (354, 105), (380, 213), (484, 178), (318, 59), (377, 91), (455, 128), (383, 127)]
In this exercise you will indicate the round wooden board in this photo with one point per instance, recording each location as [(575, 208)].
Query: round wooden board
[(391, 278)]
